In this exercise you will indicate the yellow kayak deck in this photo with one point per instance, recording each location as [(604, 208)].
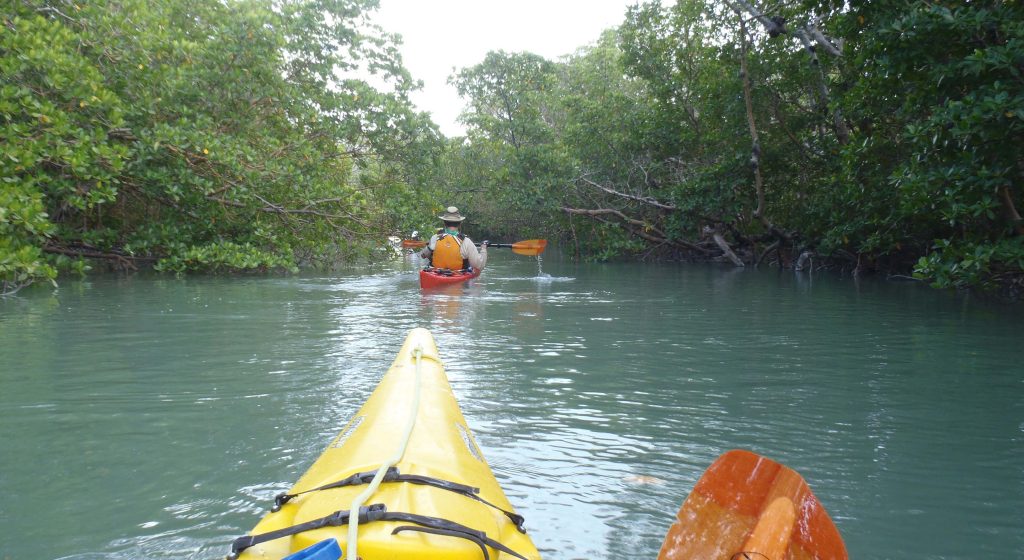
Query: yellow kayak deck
[(441, 447)]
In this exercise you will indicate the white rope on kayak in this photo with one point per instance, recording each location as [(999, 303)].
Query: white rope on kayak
[(353, 523)]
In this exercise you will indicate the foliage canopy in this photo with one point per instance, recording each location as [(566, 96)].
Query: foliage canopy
[(885, 134), (200, 135), (244, 135)]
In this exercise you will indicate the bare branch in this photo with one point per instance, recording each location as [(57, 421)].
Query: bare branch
[(819, 37), (776, 26), (716, 234), (644, 231), (126, 261), (842, 132), (10, 287), (645, 199), (767, 251), (53, 10)]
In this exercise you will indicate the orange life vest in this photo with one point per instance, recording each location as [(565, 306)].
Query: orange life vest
[(448, 253)]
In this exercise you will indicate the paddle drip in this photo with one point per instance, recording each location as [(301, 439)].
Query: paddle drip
[(541, 275)]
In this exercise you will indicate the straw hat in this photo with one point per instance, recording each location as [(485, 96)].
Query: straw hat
[(452, 215)]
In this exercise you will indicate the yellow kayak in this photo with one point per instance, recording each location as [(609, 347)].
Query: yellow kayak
[(437, 497)]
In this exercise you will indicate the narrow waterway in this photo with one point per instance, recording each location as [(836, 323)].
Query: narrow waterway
[(151, 417)]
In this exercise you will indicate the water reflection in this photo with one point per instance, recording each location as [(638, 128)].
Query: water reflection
[(440, 307)]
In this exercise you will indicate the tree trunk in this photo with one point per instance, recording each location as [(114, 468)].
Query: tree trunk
[(755, 150), (1011, 210)]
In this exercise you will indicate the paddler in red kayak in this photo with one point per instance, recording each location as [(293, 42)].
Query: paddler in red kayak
[(450, 249)]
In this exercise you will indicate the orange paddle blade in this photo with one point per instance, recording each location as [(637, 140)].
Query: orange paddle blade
[(771, 536), (530, 247), (749, 504), (413, 244)]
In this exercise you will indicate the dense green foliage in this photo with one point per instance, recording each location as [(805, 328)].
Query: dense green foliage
[(200, 135), (899, 152), (510, 148), (206, 135), (938, 95)]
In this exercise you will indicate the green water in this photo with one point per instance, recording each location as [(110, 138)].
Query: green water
[(152, 417)]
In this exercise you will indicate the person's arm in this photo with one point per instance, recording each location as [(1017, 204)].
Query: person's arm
[(429, 249), (477, 259)]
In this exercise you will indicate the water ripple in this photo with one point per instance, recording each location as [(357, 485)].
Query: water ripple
[(164, 414)]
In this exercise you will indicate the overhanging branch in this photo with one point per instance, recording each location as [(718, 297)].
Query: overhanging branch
[(645, 199), (125, 261), (776, 26), (644, 231)]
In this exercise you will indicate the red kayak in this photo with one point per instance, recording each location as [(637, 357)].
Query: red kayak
[(436, 277)]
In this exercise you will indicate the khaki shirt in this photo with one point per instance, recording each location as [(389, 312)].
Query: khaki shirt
[(477, 259)]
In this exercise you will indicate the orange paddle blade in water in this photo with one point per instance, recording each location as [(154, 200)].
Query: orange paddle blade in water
[(750, 507)]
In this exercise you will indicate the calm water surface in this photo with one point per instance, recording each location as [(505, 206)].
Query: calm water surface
[(151, 417)]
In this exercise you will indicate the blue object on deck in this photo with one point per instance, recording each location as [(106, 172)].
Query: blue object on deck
[(323, 550)]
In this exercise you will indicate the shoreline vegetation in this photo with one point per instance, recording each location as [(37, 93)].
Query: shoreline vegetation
[(253, 135)]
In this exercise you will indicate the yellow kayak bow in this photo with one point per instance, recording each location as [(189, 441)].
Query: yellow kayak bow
[(438, 500)]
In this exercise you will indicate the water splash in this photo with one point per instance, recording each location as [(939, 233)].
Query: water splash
[(541, 275)]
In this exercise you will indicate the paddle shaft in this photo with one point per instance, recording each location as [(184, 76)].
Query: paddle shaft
[(531, 247), (409, 244)]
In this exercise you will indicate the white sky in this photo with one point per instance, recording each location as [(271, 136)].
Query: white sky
[(439, 35)]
